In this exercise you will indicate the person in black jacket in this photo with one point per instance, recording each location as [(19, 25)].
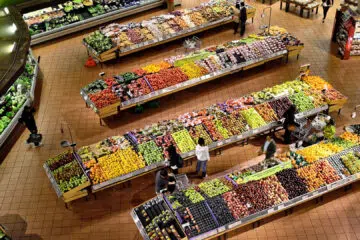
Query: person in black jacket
[(243, 18), (174, 159), (289, 123), (28, 119), (326, 4), (269, 147)]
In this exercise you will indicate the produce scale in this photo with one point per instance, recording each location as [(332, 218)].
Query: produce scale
[(76, 15), (109, 96), (20, 94), (117, 40), (220, 205), (118, 159)]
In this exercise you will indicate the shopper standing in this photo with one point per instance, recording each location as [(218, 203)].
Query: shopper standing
[(269, 147), (203, 156), (326, 4), (236, 17), (243, 18), (161, 181), (27, 118), (289, 123), (171, 183), (175, 159)]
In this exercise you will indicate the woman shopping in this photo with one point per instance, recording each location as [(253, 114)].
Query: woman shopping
[(175, 159), (326, 4), (203, 156)]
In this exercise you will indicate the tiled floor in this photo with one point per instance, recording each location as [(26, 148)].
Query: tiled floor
[(28, 205)]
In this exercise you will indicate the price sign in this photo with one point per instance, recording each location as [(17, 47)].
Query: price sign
[(221, 229), (305, 197), (239, 137), (280, 206), (219, 144), (255, 131), (271, 210), (227, 141), (160, 39)]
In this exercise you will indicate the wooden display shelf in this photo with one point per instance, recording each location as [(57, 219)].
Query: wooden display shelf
[(302, 7), (108, 110), (190, 155), (80, 194), (116, 52), (120, 106), (290, 204), (93, 21), (295, 50), (75, 191)]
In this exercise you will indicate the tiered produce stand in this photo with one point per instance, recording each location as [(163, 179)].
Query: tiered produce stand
[(20, 94), (248, 195), (76, 15), (118, 159), (67, 176), (109, 96), (117, 40), (346, 32)]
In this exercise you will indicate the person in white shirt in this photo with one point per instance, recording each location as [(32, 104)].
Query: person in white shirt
[(203, 156)]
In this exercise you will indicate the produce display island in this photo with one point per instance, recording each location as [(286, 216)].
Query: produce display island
[(117, 40), (140, 151), (218, 206), (304, 5), (73, 16), (20, 94), (109, 96)]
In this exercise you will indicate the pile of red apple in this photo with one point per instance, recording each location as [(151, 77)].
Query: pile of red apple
[(237, 209)]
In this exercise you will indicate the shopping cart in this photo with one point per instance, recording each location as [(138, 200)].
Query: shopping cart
[(192, 44), (305, 128)]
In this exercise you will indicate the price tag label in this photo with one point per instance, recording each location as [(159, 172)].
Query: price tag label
[(235, 224), (271, 210), (221, 229), (239, 137), (161, 39), (219, 144), (305, 197), (227, 140), (357, 175), (280, 206), (234, 67), (255, 131)]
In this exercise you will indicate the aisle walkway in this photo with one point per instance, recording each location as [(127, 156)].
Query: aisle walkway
[(25, 191)]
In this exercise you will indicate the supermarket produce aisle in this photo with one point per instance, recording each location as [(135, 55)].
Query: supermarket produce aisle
[(25, 190)]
